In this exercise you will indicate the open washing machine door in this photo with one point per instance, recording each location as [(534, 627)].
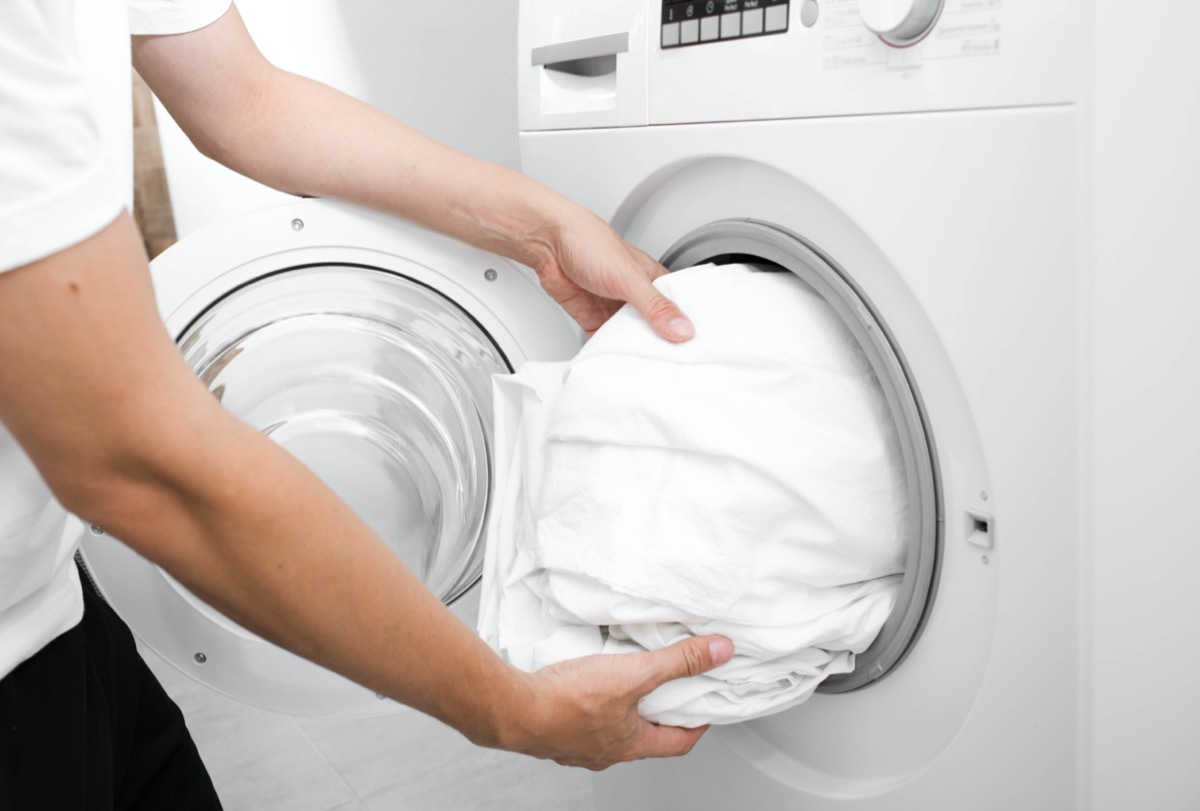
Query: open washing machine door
[(366, 347)]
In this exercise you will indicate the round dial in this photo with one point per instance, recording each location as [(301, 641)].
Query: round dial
[(899, 22)]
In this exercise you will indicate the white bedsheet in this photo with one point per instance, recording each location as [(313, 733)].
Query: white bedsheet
[(748, 483)]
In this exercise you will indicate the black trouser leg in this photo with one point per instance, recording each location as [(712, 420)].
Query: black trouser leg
[(85, 725)]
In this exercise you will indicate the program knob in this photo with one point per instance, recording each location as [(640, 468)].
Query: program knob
[(899, 22)]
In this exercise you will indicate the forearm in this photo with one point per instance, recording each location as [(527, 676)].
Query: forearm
[(305, 138), (282, 555), (339, 147)]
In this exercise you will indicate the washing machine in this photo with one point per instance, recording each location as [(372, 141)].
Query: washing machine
[(919, 163), (915, 161)]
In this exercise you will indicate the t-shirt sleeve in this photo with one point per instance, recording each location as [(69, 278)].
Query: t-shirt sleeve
[(149, 17), (56, 186)]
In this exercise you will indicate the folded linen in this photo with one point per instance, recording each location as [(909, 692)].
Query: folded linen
[(748, 482)]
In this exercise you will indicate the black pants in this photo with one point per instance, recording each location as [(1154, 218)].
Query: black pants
[(85, 725)]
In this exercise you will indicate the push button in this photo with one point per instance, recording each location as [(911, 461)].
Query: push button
[(809, 13), (731, 25), (777, 18), (752, 21), (710, 28), (689, 32), (670, 35)]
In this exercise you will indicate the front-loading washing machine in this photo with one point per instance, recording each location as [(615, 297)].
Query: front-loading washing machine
[(917, 162)]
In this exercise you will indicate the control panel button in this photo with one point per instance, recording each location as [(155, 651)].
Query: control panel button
[(670, 35), (899, 22), (710, 28), (809, 12), (777, 18), (752, 21), (689, 32), (731, 25)]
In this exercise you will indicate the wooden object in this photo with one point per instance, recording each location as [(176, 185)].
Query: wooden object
[(151, 197)]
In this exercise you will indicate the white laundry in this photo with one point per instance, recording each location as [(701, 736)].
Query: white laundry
[(748, 483)]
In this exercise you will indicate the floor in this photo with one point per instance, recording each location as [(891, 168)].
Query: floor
[(263, 760)]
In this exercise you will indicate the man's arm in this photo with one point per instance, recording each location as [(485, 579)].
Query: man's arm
[(96, 392), (305, 138)]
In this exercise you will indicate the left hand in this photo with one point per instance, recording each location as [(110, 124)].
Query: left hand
[(591, 271), (584, 712)]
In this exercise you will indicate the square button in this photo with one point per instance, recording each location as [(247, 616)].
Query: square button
[(670, 35), (752, 21), (777, 18), (689, 32), (710, 28), (731, 25)]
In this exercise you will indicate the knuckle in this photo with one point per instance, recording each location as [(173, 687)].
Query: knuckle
[(692, 659), (660, 307)]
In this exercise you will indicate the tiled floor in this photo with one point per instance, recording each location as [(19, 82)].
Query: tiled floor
[(264, 761)]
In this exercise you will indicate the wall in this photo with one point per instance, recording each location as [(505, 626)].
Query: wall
[(449, 71), (1143, 294)]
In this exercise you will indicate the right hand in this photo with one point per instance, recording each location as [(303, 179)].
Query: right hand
[(591, 272), (584, 712)]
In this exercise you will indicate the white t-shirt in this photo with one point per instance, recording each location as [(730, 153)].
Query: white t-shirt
[(64, 175)]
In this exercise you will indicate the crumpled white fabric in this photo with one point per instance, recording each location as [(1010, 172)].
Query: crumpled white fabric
[(747, 483)]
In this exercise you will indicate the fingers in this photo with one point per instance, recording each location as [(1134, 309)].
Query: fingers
[(691, 657), (654, 741), (606, 728), (668, 741), (667, 320)]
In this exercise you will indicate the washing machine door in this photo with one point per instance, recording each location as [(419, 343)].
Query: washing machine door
[(366, 347)]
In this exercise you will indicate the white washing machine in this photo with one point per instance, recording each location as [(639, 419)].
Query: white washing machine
[(925, 173), (917, 162)]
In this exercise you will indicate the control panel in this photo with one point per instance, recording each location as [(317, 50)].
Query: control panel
[(630, 63), (699, 21)]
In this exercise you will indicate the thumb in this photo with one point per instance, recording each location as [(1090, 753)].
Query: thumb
[(667, 320), (690, 657)]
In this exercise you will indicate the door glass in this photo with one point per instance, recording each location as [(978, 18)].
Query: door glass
[(381, 386)]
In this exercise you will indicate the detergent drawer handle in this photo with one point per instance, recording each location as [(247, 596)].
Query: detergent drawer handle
[(593, 56)]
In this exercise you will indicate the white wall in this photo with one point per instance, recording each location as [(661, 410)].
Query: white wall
[(1144, 296), (449, 70)]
